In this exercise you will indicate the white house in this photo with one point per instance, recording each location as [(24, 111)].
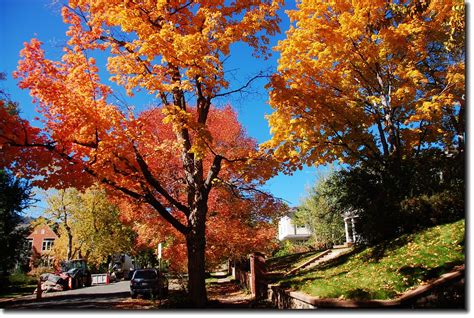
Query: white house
[(288, 231)]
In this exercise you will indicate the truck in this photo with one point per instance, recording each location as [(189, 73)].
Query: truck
[(121, 266), (77, 273)]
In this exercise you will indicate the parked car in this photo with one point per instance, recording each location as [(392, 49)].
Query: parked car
[(148, 282)]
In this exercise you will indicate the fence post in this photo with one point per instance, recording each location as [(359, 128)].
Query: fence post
[(39, 291), (257, 276)]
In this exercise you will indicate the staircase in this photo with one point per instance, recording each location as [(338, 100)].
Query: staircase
[(323, 257)]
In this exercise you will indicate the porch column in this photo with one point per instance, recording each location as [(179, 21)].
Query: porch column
[(346, 227), (354, 234)]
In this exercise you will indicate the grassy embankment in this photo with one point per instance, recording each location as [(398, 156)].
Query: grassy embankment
[(387, 269)]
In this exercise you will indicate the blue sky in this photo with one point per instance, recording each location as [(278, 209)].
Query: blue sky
[(22, 20)]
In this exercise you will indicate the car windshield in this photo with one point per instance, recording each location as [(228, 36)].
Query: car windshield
[(145, 274)]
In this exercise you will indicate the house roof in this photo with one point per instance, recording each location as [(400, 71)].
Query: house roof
[(48, 232)]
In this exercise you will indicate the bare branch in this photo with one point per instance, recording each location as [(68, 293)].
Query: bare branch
[(243, 87), (235, 188)]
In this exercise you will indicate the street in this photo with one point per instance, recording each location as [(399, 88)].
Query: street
[(113, 288), (222, 294), (112, 296)]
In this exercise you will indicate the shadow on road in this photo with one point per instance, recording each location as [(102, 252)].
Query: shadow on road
[(225, 294), (58, 301)]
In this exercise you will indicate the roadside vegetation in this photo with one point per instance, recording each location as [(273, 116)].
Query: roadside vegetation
[(17, 284), (387, 269)]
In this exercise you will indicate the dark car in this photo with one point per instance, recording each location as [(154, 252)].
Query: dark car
[(148, 282)]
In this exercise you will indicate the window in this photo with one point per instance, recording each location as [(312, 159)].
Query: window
[(146, 274), (46, 261), (47, 244), (30, 244)]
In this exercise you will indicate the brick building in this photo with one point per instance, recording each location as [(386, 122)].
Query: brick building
[(40, 243)]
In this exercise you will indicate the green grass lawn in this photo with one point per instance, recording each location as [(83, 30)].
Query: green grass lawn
[(388, 269)]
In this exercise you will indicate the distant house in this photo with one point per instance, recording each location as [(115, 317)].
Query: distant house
[(40, 243), (287, 230), (350, 224)]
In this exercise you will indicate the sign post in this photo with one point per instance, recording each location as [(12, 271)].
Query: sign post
[(158, 252)]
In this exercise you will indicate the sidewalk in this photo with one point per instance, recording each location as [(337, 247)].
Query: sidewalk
[(226, 293)]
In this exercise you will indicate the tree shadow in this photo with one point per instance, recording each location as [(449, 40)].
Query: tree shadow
[(341, 259), (302, 280), (378, 251), (413, 274)]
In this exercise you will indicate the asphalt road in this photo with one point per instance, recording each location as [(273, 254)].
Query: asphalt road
[(122, 287), (112, 296)]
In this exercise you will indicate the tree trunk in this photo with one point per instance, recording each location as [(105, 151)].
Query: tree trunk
[(69, 243), (69, 248), (196, 245), (196, 269)]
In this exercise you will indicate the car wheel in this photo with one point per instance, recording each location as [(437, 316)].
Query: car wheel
[(133, 295)]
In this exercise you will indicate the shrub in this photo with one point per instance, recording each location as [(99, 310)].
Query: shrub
[(428, 210), (287, 248), (36, 272)]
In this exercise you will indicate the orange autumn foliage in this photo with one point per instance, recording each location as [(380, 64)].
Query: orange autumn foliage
[(236, 227), (363, 81), (237, 221), (175, 51)]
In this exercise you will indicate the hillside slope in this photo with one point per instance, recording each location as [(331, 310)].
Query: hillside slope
[(387, 269)]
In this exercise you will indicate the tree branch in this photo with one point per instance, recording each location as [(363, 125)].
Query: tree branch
[(213, 173), (243, 87), (156, 184), (165, 214)]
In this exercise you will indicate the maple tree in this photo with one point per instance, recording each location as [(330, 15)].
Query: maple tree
[(377, 87), (369, 81), (175, 51), (239, 214), (61, 208)]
